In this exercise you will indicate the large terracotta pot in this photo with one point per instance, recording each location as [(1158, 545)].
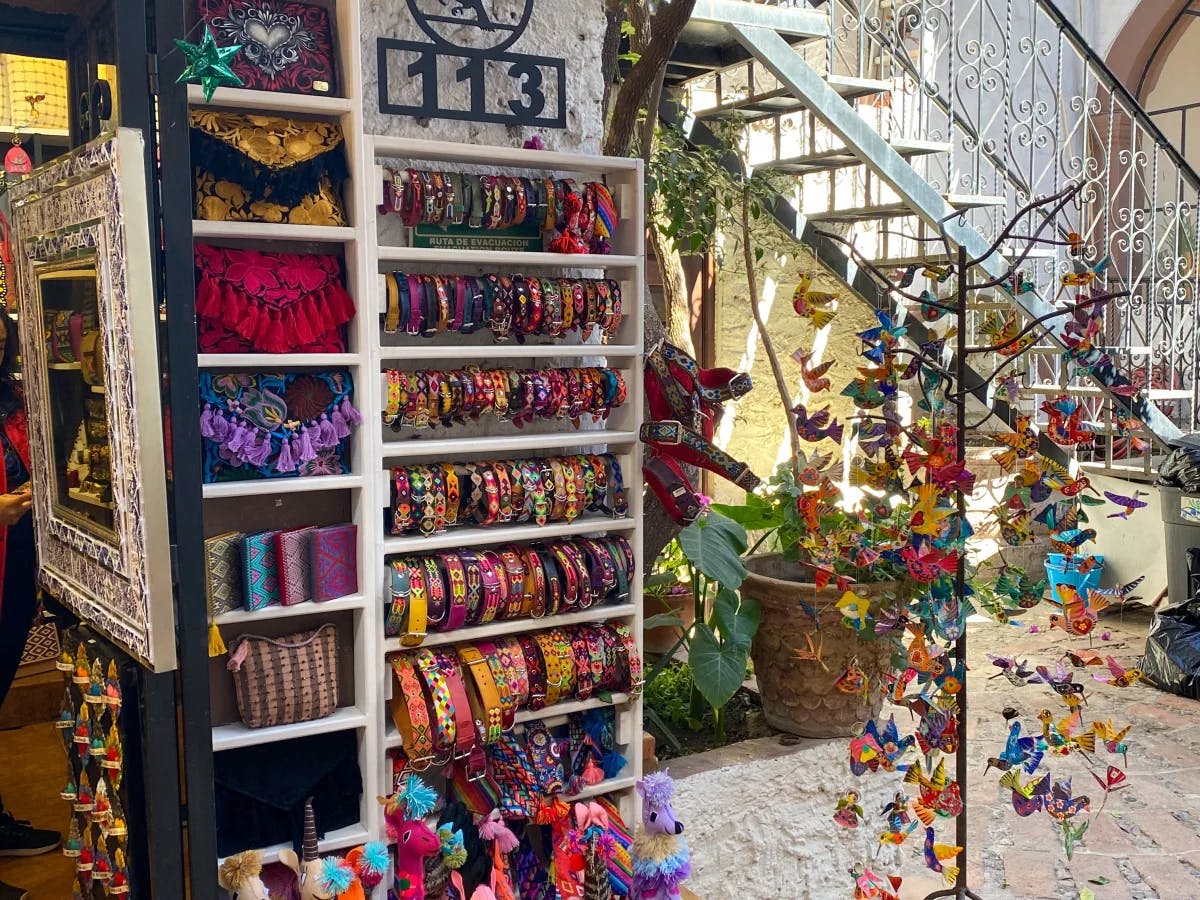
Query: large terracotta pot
[(798, 695)]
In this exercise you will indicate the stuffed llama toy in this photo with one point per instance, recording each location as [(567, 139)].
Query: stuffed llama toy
[(661, 859)]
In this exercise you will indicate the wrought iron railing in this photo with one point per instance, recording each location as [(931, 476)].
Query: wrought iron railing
[(1026, 107)]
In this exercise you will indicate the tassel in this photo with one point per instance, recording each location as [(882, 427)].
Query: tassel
[(495, 829), (216, 645), (241, 435), (262, 451), (285, 463), (353, 416), (340, 428), (552, 810), (326, 434), (206, 426), (307, 452), (613, 763), (592, 773)]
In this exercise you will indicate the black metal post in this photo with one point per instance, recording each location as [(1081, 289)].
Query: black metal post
[(178, 348), (960, 889)]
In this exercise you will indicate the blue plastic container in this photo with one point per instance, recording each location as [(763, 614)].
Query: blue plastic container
[(1061, 571)]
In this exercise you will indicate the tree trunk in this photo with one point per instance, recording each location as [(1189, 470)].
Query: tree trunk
[(644, 77)]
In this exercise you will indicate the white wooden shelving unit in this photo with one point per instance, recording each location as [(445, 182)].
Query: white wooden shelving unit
[(369, 354), (617, 435), (359, 713)]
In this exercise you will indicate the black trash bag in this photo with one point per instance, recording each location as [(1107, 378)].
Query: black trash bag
[(1172, 660), (1181, 469)]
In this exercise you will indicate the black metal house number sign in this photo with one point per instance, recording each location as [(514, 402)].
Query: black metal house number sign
[(466, 71)]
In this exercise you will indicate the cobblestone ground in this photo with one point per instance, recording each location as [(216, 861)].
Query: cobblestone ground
[(1146, 842), (774, 839)]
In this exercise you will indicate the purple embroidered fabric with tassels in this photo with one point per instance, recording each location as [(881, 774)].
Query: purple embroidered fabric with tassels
[(275, 425)]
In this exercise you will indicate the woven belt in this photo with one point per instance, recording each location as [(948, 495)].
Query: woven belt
[(410, 714)]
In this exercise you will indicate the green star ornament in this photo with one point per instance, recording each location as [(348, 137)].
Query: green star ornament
[(208, 64)]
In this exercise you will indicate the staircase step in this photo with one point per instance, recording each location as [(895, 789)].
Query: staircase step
[(1111, 351), (1089, 390), (782, 101), (889, 210), (841, 157), (939, 257)]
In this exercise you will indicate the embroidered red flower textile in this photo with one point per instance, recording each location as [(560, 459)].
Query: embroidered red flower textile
[(249, 301)]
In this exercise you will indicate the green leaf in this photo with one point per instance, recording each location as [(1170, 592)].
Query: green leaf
[(663, 620), (714, 544), (756, 514), (759, 253), (718, 670), (737, 619)]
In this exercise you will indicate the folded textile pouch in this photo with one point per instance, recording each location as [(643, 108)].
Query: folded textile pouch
[(273, 425), (267, 169), (285, 46), (260, 791), (250, 301)]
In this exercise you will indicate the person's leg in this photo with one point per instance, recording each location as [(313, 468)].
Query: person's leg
[(18, 603), (17, 607)]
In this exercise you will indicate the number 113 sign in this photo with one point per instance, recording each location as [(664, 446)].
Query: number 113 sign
[(466, 71)]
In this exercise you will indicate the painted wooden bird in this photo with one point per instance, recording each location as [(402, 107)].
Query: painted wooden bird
[(1128, 504), (1119, 676), (1022, 443), (936, 856)]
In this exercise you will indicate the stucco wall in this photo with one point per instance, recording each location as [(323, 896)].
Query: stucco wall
[(755, 429), (569, 29)]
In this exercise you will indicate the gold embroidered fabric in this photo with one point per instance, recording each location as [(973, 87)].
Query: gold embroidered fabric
[(267, 169)]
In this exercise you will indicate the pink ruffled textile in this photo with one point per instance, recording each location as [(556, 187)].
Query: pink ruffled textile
[(249, 301)]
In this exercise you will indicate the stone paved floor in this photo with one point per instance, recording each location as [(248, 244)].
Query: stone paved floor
[(758, 813)]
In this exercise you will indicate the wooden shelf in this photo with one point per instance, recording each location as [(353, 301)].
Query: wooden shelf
[(84, 497), (392, 738), (268, 486), (502, 260), (339, 839), (64, 366), (233, 361), (311, 608), (434, 351), (203, 229), (506, 534), (605, 787), (230, 737), (512, 157), (266, 102), (519, 443), (508, 627)]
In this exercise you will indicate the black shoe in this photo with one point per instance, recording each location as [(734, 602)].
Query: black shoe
[(19, 838), (8, 892)]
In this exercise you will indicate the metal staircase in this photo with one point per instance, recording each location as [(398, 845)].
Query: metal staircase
[(893, 115)]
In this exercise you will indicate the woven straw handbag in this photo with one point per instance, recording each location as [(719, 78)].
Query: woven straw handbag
[(281, 681)]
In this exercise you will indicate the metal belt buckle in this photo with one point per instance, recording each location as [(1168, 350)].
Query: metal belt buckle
[(674, 425), (740, 385)]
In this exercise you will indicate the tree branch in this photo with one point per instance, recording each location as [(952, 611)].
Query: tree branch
[(665, 28)]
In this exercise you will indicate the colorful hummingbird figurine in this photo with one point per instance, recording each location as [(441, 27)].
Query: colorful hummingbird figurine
[(1022, 443), (1128, 504), (1066, 427), (1017, 673), (1080, 613), (1029, 797), (1086, 278), (1058, 738), (816, 306), (1119, 676), (936, 856), (1059, 681), (1020, 587), (928, 517), (818, 426), (1016, 528), (881, 339), (1113, 740), (1005, 333), (938, 796), (869, 886), (1061, 805), (1068, 546), (1025, 752), (928, 564), (1114, 779)]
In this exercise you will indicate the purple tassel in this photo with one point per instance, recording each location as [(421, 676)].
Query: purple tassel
[(306, 452), (222, 428), (340, 428), (260, 452), (241, 436), (206, 417), (285, 463), (351, 414), (326, 435)]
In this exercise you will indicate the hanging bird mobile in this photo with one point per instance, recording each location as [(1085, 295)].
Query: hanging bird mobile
[(816, 306)]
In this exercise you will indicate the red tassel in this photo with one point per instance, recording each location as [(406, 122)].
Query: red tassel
[(552, 810)]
